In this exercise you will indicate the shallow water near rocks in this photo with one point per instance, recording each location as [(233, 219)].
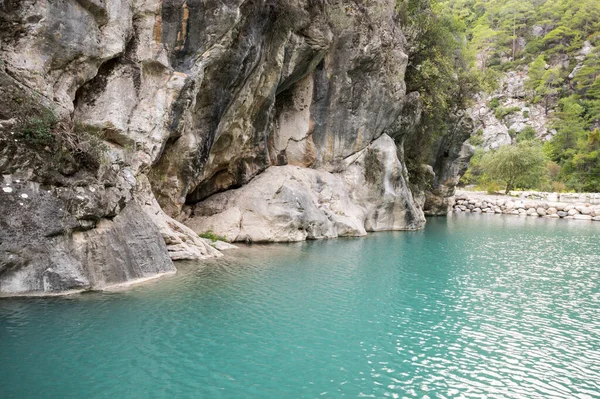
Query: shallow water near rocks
[(473, 305)]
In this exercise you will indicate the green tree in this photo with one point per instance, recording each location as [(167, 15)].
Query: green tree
[(520, 165), (535, 73), (594, 91), (587, 76), (549, 86)]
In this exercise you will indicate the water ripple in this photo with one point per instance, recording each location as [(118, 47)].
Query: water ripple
[(482, 307)]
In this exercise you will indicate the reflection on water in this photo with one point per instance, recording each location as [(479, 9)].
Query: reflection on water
[(473, 306)]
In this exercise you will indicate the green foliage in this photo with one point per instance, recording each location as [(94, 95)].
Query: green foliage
[(494, 103), (527, 134), (501, 112), (441, 69), (535, 73), (576, 144), (477, 138), (522, 165), (587, 80), (474, 175), (209, 235), (507, 35), (492, 187), (37, 128), (41, 130), (549, 86)]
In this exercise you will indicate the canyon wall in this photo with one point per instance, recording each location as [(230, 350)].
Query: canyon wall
[(128, 127)]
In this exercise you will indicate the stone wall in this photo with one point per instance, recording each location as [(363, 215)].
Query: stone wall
[(526, 207)]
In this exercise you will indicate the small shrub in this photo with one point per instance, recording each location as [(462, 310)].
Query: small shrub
[(494, 103), (526, 134), (86, 144), (492, 187), (37, 129), (477, 138), (501, 112), (209, 235), (525, 114), (559, 187), (77, 144)]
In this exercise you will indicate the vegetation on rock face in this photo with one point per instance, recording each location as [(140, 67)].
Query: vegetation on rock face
[(209, 235), (32, 133), (65, 141), (557, 44), (440, 70)]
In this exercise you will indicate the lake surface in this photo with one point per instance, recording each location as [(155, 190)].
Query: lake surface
[(473, 306)]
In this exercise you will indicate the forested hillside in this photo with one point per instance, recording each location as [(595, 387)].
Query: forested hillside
[(539, 62)]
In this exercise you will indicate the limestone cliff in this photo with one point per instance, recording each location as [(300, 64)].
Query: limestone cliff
[(129, 126)]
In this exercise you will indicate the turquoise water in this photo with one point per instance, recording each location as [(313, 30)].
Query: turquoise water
[(473, 306)]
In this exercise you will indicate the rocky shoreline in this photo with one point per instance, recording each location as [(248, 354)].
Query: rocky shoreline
[(130, 129), (507, 205)]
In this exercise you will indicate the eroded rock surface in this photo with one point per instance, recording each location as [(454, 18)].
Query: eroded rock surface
[(498, 124), (449, 164)]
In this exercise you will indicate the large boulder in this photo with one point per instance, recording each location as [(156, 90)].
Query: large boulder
[(289, 203)]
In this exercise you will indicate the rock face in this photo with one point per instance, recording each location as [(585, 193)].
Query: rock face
[(500, 123), (39, 256), (449, 164), (262, 120)]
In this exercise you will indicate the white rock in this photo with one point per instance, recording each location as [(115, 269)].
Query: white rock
[(532, 212), (586, 210), (289, 203), (560, 206)]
